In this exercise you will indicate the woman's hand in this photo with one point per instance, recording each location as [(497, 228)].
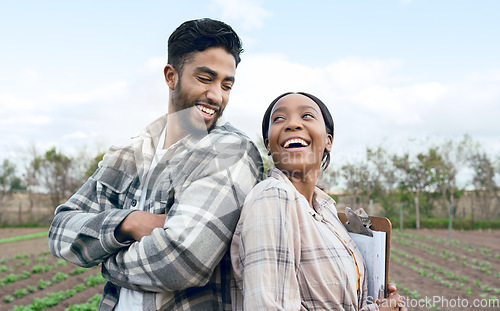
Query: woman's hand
[(394, 302)]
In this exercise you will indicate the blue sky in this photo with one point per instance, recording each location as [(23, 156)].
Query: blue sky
[(86, 74)]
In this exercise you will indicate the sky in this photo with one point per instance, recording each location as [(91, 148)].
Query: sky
[(82, 75)]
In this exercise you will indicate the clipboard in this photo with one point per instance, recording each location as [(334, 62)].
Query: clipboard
[(379, 224)]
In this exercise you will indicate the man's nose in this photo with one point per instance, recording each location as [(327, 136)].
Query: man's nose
[(214, 93)]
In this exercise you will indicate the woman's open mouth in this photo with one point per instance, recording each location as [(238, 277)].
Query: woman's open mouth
[(295, 143)]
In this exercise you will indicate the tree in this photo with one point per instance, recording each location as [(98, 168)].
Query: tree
[(55, 170), (381, 161), (483, 181), (7, 177), (93, 164), (453, 158), (362, 179), (32, 176), (414, 177), (266, 159)]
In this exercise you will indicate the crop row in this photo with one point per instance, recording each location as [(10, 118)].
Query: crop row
[(36, 269), (24, 237), (487, 252), (414, 294), (42, 284), (484, 266), (436, 272), (92, 304), (54, 298)]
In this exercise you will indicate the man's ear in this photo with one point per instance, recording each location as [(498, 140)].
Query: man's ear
[(329, 142), (171, 76), (266, 142)]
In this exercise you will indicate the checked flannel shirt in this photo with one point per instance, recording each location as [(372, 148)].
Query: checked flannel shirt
[(288, 256), (200, 183)]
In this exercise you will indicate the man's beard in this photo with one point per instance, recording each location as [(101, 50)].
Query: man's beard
[(189, 116)]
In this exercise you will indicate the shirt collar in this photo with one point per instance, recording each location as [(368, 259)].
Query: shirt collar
[(320, 198)]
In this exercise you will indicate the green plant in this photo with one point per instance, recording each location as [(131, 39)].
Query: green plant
[(58, 277), (42, 284), (24, 237), (78, 270), (8, 299), (91, 305), (20, 292)]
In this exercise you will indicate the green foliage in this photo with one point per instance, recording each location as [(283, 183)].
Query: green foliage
[(24, 237), (91, 305), (8, 299), (78, 270), (443, 223), (92, 166)]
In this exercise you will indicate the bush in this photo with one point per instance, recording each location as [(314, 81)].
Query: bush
[(443, 223)]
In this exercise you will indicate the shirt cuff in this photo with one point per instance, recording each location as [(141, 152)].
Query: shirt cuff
[(107, 232)]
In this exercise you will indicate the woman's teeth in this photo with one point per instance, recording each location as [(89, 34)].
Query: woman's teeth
[(295, 141)]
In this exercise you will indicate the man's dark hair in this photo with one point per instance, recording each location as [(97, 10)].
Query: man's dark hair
[(327, 117), (199, 35)]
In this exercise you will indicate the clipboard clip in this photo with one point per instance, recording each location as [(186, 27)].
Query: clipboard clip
[(358, 222)]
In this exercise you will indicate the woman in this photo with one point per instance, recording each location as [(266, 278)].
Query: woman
[(290, 251)]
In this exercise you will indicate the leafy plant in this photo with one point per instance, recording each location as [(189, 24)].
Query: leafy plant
[(8, 299)]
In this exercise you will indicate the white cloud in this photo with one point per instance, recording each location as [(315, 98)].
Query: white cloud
[(75, 135), (249, 13), (370, 100), (380, 106)]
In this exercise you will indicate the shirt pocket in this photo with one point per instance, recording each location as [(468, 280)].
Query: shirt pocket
[(163, 199), (113, 185)]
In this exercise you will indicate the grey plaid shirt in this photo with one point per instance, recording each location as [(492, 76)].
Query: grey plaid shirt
[(200, 183)]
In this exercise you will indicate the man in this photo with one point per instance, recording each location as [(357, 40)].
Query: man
[(160, 212)]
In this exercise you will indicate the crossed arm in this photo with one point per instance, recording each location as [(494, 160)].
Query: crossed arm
[(149, 252)]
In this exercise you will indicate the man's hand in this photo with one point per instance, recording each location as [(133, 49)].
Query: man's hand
[(394, 302), (137, 225)]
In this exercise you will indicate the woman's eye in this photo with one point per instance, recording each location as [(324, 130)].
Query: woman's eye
[(278, 119), (308, 115)]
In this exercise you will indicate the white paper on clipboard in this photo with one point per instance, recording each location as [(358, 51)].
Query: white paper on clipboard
[(373, 251)]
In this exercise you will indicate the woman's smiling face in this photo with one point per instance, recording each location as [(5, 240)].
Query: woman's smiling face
[(297, 135)]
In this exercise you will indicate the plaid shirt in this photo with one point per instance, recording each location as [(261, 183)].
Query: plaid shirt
[(287, 256), (200, 183)]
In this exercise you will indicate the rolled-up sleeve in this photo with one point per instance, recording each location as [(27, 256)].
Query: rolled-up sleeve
[(82, 231)]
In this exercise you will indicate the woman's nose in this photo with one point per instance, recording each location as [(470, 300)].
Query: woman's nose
[(293, 125)]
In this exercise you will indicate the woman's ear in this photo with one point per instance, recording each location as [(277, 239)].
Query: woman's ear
[(329, 142), (171, 76), (266, 142)]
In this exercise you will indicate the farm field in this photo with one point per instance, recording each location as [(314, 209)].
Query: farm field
[(32, 279), (423, 264), (451, 276)]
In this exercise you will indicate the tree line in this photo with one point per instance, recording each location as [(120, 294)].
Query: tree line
[(50, 172), (423, 183)]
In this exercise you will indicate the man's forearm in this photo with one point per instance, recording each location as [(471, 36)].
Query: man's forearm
[(137, 225)]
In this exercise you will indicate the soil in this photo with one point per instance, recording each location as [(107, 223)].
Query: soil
[(405, 276), (428, 287)]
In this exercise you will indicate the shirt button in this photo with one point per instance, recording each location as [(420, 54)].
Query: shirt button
[(134, 202)]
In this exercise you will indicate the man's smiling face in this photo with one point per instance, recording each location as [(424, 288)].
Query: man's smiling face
[(204, 83)]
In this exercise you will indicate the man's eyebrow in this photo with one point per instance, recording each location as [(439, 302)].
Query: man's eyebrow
[(213, 73)]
